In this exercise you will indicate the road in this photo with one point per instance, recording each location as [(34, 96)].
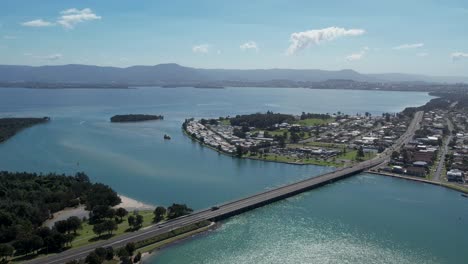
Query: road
[(440, 166), (229, 209)]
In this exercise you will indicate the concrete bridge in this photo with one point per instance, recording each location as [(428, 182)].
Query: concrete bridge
[(232, 208)]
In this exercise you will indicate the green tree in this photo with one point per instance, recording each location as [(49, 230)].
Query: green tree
[(130, 248), (93, 258), (74, 223), (121, 213), (109, 226), (131, 220), (159, 213), (360, 152), (6, 251), (98, 229), (137, 258), (177, 210)]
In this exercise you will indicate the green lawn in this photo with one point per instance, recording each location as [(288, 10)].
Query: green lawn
[(86, 235), (314, 121), (225, 122)]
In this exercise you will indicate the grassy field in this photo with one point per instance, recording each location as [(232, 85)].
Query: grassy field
[(86, 235), (314, 121)]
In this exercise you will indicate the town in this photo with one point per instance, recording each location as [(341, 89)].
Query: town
[(438, 151), (336, 139)]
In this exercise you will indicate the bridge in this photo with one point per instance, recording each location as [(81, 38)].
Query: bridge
[(232, 208)]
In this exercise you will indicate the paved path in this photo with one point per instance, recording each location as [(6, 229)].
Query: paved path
[(229, 209)]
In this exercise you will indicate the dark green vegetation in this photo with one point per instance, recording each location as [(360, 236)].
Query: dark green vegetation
[(10, 126), (456, 99), (135, 118), (260, 120), (28, 199)]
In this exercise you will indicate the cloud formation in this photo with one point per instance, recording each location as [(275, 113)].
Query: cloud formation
[(459, 55), (70, 17), (358, 55), (37, 23), (301, 40), (409, 46), (202, 48), (67, 19), (249, 45), (51, 57)]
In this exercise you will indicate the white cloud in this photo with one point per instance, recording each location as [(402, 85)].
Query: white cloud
[(422, 54), (37, 23), (51, 57), (409, 46), (301, 40), (249, 45), (202, 48), (459, 55), (358, 55), (9, 37), (70, 17)]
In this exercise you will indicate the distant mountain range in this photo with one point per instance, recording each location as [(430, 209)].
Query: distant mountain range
[(171, 73)]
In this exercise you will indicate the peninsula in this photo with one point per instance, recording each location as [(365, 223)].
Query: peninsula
[(12, 125), (135, 118), (336, 139)]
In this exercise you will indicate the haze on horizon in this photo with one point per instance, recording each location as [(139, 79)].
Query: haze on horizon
[(417, 37)]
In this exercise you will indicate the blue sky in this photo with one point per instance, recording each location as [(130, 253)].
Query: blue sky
[(424, 37)]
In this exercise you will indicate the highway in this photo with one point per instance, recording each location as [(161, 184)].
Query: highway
[(232, 208)]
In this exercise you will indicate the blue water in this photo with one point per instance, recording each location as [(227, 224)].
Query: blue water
[(134, 158), (364, 219)]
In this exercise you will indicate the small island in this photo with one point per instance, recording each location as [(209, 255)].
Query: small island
[(12, 125), (135, 118)]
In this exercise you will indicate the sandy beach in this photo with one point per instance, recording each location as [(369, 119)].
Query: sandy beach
[(128, 203)]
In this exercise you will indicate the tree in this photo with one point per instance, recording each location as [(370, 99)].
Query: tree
[(109, 226), (101, 194), (93, 258), (295, 137), (130, 248), (159, 213), (137, 258), (395, 155), (74, 223), (121, 212), (138, 221), (360, 152), (61, 226), (177, 210), (109, 253), (239, 151), (6, 251), (98, 229), (101, 253), (131, 220), (122, 253)]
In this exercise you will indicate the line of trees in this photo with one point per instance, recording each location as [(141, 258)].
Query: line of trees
[(261, 120), (12, 125)]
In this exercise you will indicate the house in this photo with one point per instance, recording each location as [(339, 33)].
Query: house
[(455, 175), (416, 171), (421, 164)]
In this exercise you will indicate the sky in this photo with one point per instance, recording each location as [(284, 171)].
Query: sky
[(370, 36)]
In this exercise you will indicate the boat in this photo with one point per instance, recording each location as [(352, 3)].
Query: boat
[(167, 137)]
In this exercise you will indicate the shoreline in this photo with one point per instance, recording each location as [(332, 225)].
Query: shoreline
[(127, 203), (410, 178), (252, 158)]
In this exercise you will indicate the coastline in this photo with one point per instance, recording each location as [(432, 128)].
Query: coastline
[(253, 158), (411, 178)]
